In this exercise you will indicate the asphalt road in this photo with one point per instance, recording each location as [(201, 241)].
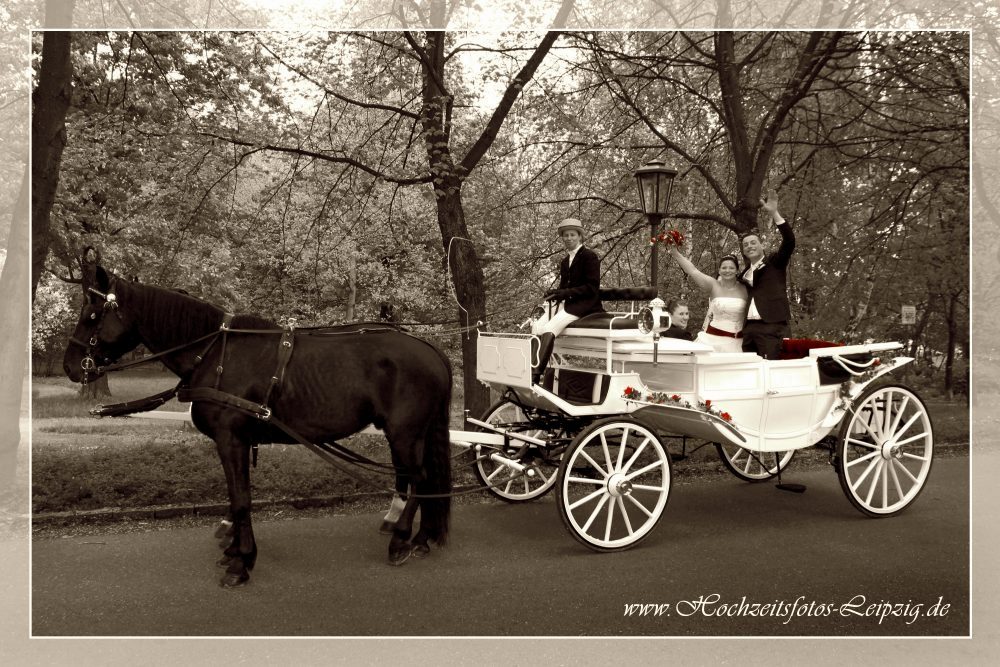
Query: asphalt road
[(723, 551)]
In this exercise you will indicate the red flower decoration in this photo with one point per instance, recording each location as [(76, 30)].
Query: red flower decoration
[(629, 390), (728, 417), (708, 404), (675, 397), (877, 361), (652, 240)]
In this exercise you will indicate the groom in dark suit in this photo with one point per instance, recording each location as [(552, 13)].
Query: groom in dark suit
[(766, 280)]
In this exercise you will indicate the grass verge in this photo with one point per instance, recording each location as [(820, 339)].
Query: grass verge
[(80, 464)]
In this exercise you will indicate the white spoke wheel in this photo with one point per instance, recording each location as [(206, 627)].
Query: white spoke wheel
[(504, 482), (753, 466), (884, 450), (614, 483)]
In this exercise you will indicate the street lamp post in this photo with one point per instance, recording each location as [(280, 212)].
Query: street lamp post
[(655, 181)]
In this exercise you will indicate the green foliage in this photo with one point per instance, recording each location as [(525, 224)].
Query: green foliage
[(166, 169)]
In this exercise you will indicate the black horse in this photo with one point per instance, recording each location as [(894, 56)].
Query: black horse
[(328, 384)]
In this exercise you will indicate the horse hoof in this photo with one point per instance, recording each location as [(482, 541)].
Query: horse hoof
[(400, 556), (224, 561), (234, 580), (421, 550), (386, 528)]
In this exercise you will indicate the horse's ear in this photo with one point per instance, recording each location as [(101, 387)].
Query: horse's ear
[(94, 276)]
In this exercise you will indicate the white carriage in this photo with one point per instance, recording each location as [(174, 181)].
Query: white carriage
[(595, 426)]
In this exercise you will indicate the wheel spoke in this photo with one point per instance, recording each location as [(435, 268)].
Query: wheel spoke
[(861, 478), (899, 414), (862, 443), (875, 436), (908, 473), (914, 456), (908, 424), (538, 471), (874, 483), (912, 438), (647, 487), (886, 413), (885, 485), (586, 480), (641, 507), (621, 455), (635, 455), (587, 498), (858, 460), (597, 466), (609, 521), (633, 475), (506, 489), (593, 515), (607, 454), (489, 478), (621, 508), (895, 478)]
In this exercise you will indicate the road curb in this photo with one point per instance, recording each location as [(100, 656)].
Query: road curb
[(219, 509), (205, 509)]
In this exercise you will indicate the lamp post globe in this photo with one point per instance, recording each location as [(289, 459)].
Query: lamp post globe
[(655, 181)]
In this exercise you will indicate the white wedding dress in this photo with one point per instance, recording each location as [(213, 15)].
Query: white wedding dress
[(727, 314)]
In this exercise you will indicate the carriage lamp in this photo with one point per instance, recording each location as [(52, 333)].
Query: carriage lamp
[(655, 181), (653, 319)]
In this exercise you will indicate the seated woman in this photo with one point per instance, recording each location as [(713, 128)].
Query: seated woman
[(727, 306), (679, 315)]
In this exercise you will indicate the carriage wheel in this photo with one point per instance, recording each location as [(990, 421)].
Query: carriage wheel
[(614, 482), (500, 480), (753, 466), (884, 450)]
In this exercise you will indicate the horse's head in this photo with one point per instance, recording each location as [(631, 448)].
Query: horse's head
[(105, 330)]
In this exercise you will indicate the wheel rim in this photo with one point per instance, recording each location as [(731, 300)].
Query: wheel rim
[(615, 484), (754, 466), (887, 451), (517, 487)]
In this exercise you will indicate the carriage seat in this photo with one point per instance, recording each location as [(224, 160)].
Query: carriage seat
[(798, 348), (603, 320)]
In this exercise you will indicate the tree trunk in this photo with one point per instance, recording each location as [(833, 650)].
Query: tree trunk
[(466, 269), (352, 288), (50, 103), (14, 341), (918, 333), (949, 360)]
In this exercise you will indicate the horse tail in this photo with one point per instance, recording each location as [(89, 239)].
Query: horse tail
[(435, 512)]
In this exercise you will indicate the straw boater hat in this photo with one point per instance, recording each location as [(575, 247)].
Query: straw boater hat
[(569, 223)]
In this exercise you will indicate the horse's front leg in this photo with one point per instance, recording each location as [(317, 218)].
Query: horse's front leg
[(400, 548), (241, 554)]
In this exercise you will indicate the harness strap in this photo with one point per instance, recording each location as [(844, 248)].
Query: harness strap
[(224, 331), (285, 346), (138, 405)]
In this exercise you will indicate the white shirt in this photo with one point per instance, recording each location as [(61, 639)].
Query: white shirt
[(752, 313), (572, 254)]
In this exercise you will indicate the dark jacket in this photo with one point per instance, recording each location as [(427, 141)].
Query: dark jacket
[(769, 290), (580, 284), (676, 332)]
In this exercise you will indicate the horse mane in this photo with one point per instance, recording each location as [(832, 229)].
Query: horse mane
[(165, 310)]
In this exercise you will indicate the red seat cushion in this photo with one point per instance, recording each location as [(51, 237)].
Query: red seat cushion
[(798, 348)]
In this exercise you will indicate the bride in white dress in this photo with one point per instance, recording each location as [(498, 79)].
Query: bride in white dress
[(728, 304)]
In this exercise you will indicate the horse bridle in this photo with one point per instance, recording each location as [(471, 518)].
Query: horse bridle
[(88, 363)]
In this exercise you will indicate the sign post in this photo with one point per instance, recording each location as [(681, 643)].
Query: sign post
[(909, 315)]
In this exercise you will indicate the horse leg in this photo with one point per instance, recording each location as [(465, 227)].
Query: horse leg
[(395, 508), (224, 531), (434, 487), (400, 548), (241, 554)]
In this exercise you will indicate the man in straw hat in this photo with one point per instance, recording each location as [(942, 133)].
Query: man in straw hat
[(578, 291)]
